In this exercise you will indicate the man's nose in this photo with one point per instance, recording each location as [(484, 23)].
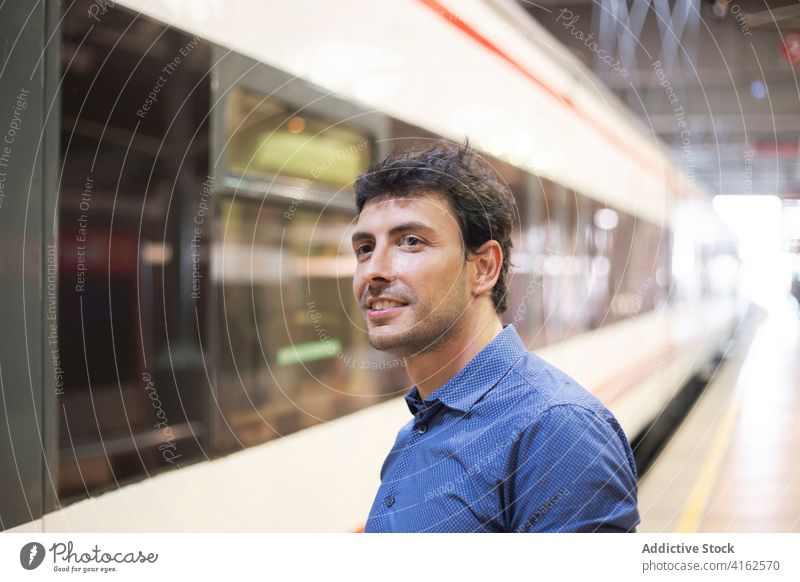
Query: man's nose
[(380, 265)]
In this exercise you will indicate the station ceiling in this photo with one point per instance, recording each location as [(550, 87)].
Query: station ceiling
[(716, 81)]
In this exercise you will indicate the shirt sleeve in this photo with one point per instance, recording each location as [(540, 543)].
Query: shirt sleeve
[(571, 471)]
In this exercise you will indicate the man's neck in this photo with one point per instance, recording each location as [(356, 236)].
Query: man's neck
[(433, 369)]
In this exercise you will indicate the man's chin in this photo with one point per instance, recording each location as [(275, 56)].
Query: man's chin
[(384, 342), (400, 344)]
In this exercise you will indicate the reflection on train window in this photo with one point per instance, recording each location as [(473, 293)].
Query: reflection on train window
[(134, 390), (269, 138), (293, 351), (584, 265)]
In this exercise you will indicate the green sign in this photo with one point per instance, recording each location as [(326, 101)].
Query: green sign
[(308, 352)]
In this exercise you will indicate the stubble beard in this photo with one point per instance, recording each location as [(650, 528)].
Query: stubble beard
[(432, 330)]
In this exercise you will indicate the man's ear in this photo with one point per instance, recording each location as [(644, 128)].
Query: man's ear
[(487, 261)]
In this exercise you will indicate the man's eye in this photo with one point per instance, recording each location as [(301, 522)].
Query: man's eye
[(363, 249), (409, 240)]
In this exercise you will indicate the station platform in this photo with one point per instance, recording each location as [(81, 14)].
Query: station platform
[(733, 464)]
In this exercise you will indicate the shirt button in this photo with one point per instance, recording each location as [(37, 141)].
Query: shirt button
[(388, 500), (422, 428)]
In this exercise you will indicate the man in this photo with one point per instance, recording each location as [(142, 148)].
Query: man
[(500, 441)]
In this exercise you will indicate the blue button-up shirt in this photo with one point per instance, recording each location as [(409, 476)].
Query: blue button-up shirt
[(509, 444)]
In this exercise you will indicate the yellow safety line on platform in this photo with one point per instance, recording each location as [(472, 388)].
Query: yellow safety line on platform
[(698, 499)]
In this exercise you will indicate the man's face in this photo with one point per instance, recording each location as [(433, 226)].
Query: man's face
[(411, 277)]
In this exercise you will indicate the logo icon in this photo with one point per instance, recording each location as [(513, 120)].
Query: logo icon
[(31, 555)]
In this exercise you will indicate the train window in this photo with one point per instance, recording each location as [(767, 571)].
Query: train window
[(638, 262), (583, 236), (528, 314), (598, 240), (552, 259), (132, 399), (572, 304), (521, 288), (615, 235), (584, 272), (268, 138), (644, 281), (293, 351)]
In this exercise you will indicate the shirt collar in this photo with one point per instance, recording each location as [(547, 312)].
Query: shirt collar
[(475, 379)]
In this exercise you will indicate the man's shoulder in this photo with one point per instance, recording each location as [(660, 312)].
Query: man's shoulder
[(546, 404), (535, 385)]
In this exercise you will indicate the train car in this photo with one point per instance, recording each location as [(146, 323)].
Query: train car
[(211, 370)]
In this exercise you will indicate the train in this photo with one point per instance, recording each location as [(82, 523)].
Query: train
[(209, 370)]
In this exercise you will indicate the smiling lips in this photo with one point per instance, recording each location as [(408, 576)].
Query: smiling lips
[(385, 304), (380, 307)]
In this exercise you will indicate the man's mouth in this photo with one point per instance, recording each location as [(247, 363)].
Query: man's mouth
[(383, 308), (385, 304)]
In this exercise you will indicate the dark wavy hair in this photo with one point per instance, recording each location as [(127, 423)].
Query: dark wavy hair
[(484, 207)]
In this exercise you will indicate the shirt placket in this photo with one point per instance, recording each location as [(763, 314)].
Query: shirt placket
[(405, 463)]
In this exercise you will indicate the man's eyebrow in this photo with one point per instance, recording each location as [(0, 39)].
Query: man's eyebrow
[(406, 226)]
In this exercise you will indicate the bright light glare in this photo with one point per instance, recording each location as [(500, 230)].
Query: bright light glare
[(758, 90), (606, 219), (757, 221)]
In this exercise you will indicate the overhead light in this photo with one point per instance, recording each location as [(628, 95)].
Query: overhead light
[(758, 90), (156, 253), (296, 124), (606, 219)]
